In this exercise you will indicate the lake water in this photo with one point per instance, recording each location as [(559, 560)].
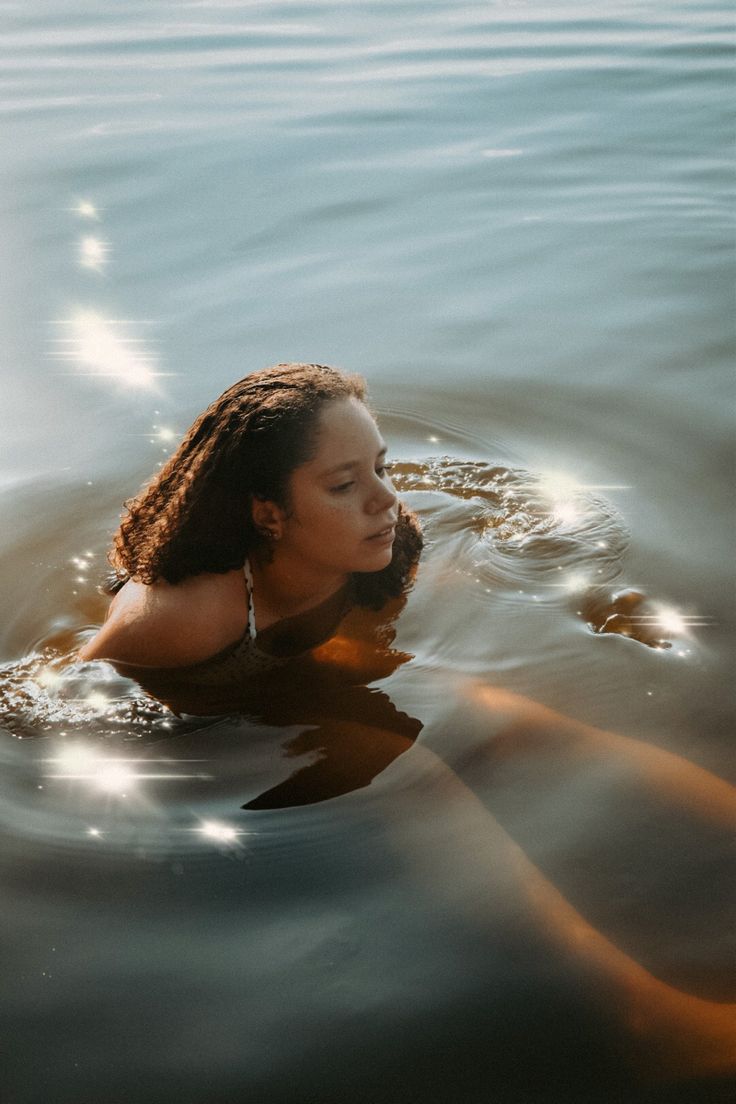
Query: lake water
[(516, 220)]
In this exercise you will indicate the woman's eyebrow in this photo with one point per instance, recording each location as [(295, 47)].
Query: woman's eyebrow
[(354, 463)]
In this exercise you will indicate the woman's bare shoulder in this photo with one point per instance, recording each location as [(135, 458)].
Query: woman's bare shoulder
[(164, 625)]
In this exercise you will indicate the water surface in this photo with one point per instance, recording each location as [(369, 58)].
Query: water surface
[(515, 220)]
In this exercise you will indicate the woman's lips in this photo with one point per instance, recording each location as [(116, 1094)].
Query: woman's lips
[(384, 536)]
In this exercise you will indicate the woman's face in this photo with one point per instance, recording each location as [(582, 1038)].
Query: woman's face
[(343, 507)]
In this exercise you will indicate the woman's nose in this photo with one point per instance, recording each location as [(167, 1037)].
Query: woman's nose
[(384, 497)]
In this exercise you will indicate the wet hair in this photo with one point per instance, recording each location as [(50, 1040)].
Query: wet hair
[(195, 516)]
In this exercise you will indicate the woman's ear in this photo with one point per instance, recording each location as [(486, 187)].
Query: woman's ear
[(268, 518)]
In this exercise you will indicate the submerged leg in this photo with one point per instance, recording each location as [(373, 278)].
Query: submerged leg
[(672, 1034), (528, 727)]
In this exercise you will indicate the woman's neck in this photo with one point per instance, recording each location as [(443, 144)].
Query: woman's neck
[(287, 587)]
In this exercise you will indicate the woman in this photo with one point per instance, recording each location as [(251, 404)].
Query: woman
[(274, 516), (273, 523)]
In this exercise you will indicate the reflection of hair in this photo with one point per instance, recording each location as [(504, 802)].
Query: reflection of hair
[(195, 516)]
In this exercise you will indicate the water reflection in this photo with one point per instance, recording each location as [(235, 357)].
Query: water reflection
[(631, 613), (86, 209), (597, 329), (93, 253), (107, 348), (220, 832), (447, 764), (113, 774), (163, 433)]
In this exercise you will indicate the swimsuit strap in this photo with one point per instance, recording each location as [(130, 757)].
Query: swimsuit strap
[(251, 603)]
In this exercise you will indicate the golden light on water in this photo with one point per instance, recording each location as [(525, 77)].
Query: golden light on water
[(105, 348)]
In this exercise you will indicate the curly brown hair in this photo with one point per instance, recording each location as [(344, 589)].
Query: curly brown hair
[(195, 515)]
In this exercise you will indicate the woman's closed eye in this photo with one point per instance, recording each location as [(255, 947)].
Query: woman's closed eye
[(381, 472)]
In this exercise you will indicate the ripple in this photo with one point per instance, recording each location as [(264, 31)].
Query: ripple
[(44, 694), (529, 531)]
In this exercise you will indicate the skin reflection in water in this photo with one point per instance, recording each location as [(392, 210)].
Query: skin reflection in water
[(353, 732)]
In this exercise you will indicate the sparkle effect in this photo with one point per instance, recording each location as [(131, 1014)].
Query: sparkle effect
[(565, 495), (104, 348), (48, 677), (112, 774), (674, 622), (115, 778), (218, 831), (97, 700), (93, 253), (576, 582), (87, 210), (164, 433), (109, 775)]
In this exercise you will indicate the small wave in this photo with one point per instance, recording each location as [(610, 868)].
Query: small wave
[(45, 694), (530, 530)]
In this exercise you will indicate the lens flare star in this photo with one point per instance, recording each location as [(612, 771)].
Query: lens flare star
[(93, 253), (104, 347), (114, 774), (565, 495), (576, 582), (219, 832), (86, 209), (116, 778)]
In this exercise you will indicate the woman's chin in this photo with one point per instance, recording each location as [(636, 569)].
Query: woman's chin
[(378, 559)]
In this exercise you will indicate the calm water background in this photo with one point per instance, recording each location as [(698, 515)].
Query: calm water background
[(516, 220)]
